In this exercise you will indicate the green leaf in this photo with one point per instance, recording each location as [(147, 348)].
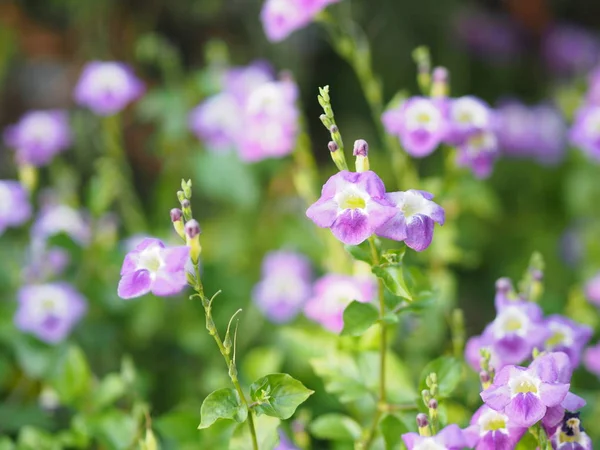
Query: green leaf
[(393, 278), (358, 318), (261, 360), (72, 379), (449, 374), (115, 430), (31, 438), (266, 434), (109, 391), (392, 429), (361, 252), (222, 404), (335, 427), (278, 395)]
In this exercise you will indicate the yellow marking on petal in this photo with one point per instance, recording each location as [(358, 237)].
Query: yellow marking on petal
[(353, 202)]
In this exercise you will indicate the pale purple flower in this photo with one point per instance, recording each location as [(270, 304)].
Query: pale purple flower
[(217, 121), (419, 123), (242, 81), (593, 93), (492, 430), (585, 132), (592, 289), (332, 293), (15, 209), (479, 151), (45, 264), (282, 17), (284, 287), (525, 394), (591, 359), (49, 311), (515, 332), (55, 219), (467, 115), (415, 218), (473, 349), (152, 267), (570, 50), (450, 438), (353, 205), (570, 435), (107, 87), (39, 136), (567, 336), (270, 121), (285, 443)]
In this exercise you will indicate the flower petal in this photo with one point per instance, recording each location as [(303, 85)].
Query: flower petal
[(323, 212), (553, 394), (352, 227), (525, 410), (176, 257), (419, 232), (134, 284), (168, 283), (496, 397)]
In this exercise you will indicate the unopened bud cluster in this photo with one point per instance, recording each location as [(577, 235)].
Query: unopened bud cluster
[(336, 145), (486, 376), (185, 225), (428, 423)]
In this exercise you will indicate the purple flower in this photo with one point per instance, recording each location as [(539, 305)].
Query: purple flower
[(567, 336), (39, 136), (466, 116), (284, 443), (570, 50), (414, 220), (353, 205), (49, 311), (473, 349), (479, 152), (585, 132), (282, 17), (285, 285), (525, 394), (55, 219), (515, 332), (107, 87), (419, 123), (450, 438), (591, 359), (332, 293), (492, 430), (571, 435), (152, 267), (592, 289), (14, 204), (217, 121), (45, 263), (242, 81), (593, 93)]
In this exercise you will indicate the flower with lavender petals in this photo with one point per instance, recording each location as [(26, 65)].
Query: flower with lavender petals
[(585, 132), (593, 93), (492, 430), (466, 116), (45, 263), (413, 223), (353, 205), (479, 152), (39, 136), (592, 289), (14, 204), (567, 336), (450, 438), (591, 359), (332, 293), (49, 311), (525, 394), (282, 17), (571, 435), (56, 219), (570, 50), (473, 349), (107, 87), (419, 123), (217, 121), (152, 267), (285, 285), (242, 81)]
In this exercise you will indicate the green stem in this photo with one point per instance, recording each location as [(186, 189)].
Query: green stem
[(229, 361), (382, 354)]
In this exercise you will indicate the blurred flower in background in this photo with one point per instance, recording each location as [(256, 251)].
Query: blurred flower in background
[(282, 17), (14, 204), (570, 50)]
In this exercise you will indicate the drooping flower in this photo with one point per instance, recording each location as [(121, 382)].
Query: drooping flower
[(571, 435), (570, 50), (567, 336), (585, 132), (419, 123), (49, 311), (107, 87), (14, 204), (284, 287), (492, 430), (525, 394), (353, 205), (153, 267), (282, 17), (332, 293), (39, 136), (479, 151), (592, 289), (450, 438), (466, 116), (415, 218), (591, 359)]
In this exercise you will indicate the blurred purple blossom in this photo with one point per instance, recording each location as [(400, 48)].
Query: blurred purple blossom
[(570, 50), (107, 87), (49, 311), (567, 336), (450, 438), (332, 293), (39, 136), (55, 219), (284, 287), (479, 152), (15, 208), (491, 430), (591, 359), (585, 132)]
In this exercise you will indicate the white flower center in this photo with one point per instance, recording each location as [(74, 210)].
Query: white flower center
[(109, 78), (561, 336), (429, 444), (150, 259), (511, 321), (351, 198), (414, 204), (492, 421), (340, 294), (469, 113), (39, 127), (524, 383), (423, 115), (480, 142), (221, 113), (592, 123), (48, 302), (266, 99)]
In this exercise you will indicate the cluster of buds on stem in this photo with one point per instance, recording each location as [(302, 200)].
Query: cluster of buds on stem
[(185, 225), (428, 424), (486, 376), (336, 145)]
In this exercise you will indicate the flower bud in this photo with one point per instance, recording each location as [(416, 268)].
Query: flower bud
[(192, 229), (361, 152), (186, 187), (180, 196), (485, 378), (537, 275), (503, 285), (423, 424), (332, 146), (433, 404), (187, 209), (177, 219), (439, 87), (333, 129), (192, 234)]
